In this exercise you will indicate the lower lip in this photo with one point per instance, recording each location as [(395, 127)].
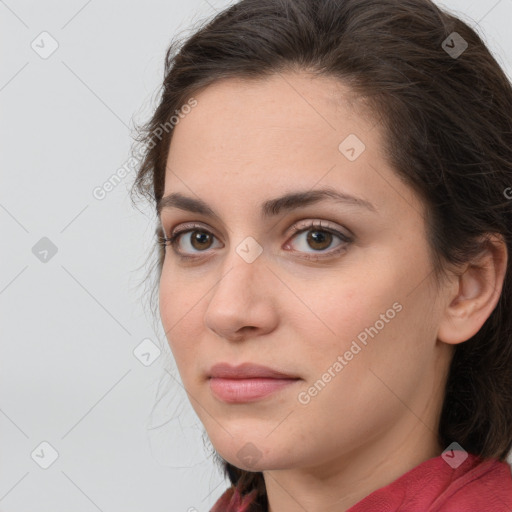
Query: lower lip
[(246, 390)]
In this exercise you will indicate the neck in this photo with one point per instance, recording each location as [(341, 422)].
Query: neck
[(339, 483)]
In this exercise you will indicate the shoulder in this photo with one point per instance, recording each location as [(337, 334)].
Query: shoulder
[(473, 485), (233, 501), (487, 486)]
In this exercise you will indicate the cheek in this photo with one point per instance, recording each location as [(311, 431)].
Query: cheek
[(338, 307), (375, 341), (180, 315), (365, 315), (178, 296)]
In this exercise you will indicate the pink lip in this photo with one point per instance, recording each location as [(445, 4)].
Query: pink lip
[(246, 371), (246, 390), (246, 382)]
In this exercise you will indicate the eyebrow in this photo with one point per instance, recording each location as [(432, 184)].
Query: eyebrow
[(270, 208)]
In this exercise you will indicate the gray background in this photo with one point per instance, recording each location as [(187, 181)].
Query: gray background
[(126, 437)]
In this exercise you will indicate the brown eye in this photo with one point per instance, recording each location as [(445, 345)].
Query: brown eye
[(319, 239), (313, 246), (186, 242), (201, 240)]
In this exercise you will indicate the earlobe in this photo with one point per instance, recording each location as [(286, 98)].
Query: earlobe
[(474, 293)]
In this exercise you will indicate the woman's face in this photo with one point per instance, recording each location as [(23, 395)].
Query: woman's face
[(352, 316)]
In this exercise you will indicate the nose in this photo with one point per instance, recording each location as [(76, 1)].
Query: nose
[(243, 302)]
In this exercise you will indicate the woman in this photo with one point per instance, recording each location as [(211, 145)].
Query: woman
[(332, 181)]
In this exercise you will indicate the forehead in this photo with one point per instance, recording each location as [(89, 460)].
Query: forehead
[(288, 117), (290, 100), (256, 139)]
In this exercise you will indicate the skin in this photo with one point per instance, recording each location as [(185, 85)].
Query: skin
[(249, 141)]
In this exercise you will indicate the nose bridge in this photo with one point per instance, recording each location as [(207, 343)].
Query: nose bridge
[(241, 297), (243, 264)]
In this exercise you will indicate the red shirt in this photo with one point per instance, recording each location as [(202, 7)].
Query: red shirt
[(476, 485)]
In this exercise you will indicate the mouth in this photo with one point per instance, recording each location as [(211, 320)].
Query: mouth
[(247, 382), (247, 390)]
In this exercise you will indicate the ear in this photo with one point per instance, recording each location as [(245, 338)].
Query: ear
[(474, 292)]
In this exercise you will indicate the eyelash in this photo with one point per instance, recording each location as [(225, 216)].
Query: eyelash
[(173, 240)]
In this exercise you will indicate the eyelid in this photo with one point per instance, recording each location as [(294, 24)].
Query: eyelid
[(310, 224), (298, 228), (189, 226)]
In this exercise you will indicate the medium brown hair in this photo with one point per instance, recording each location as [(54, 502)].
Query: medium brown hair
[(448, 134)]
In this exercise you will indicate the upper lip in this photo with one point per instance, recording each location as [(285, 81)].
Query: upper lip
[(246, 371)]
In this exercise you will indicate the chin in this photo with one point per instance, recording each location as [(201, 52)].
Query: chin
[(251, 456)]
